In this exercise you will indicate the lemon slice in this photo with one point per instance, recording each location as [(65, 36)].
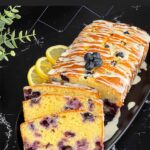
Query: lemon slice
[(42, 67), (33, 77), (54, 52)]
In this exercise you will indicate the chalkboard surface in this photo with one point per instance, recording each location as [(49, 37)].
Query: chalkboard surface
[(60, 25)]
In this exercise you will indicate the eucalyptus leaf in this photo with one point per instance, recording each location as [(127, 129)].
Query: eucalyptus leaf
[(9, 44), (9, 14), (1, 39), (2, 49), (1, 53), (8, 31), (33, 34), (6, 58), (17, 16), (5, 20), (10, 21), (2, 23), (20, 34), (13, 39), (28, 38), (5, 37), (15, 10), (1, 57), (1, 29), (26, 33), (20, 37), (10, 7)]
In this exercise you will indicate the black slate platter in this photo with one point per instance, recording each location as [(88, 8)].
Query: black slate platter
[(63, 29)]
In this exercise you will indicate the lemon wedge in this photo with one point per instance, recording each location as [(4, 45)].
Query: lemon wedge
[(33, 77), (43, 66), (54, 52)]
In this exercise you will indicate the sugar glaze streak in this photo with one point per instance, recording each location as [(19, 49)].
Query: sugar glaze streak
[(111, 128), (138, 78), (131, 105)]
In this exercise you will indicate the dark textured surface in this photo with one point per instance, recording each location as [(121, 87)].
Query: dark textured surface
[(13, 73)]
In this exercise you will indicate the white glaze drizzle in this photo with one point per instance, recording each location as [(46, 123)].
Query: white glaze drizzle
[(73, 85), (111, 127), (144, 66), (131, 105), (136, 80)]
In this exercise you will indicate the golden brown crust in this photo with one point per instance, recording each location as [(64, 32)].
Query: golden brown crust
[(54, 88)]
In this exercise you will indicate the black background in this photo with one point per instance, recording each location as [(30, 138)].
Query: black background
[(137, 136)]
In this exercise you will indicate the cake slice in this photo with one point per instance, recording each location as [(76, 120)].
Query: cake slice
[(58, 88), (71, 130), (52, 104), (105, 56)]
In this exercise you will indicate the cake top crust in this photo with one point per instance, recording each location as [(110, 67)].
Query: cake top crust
[(121, 47)]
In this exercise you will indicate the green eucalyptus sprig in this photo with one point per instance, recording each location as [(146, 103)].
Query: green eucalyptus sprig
[(7, 38)]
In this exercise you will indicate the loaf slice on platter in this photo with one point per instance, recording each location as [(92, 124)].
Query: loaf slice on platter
[(58, 88), (54, 103), (70, 130)]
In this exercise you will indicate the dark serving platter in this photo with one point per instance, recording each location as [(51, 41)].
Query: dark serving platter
[(62, 29)]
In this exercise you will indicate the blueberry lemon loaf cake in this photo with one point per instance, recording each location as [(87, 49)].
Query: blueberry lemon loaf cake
[(52, 104), (58, 88), (71, 130), (105, 56)]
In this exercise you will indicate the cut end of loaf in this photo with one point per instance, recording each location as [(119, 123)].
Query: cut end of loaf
[(72, 129)]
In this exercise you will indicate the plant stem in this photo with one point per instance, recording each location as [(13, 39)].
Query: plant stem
[(18, 38)]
